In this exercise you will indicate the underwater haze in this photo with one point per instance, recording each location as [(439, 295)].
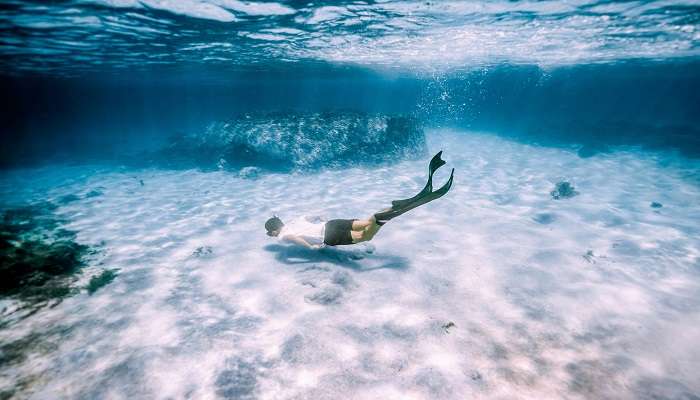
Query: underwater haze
[(144, 143)]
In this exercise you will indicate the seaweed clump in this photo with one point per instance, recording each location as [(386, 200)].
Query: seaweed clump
[(563, 190), (98, 281), (38, 258)]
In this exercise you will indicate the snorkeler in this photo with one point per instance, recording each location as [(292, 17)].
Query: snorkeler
[(314, 233)]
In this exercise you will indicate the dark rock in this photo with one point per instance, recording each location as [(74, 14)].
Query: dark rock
[(38, 259), (203, 251), (98, 281), (563, 190), (656, 205), (447, 326)]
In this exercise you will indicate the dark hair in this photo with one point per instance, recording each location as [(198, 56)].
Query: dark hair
[(273, 224)]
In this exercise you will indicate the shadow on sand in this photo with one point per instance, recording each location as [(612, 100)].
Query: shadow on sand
[(357, 260)]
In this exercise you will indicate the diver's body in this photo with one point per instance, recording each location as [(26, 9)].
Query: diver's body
[(316, 233)]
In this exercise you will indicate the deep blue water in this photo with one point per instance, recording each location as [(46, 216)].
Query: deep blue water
[(100, 79), (655, 104)]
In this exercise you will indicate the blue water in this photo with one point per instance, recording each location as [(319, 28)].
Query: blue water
[(159, 135)]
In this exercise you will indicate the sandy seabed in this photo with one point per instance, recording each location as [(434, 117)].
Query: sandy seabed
[(495, 291)]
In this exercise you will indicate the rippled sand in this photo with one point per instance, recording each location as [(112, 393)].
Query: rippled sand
[(494, 291)]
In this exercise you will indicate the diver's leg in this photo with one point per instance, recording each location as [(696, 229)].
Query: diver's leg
[(370, 228), (360, 224), (364, 224)]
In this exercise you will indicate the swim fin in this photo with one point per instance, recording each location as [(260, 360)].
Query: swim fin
[(435, 163), (422, 198)]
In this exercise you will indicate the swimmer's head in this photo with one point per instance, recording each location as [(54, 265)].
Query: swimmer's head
[(273, 226)]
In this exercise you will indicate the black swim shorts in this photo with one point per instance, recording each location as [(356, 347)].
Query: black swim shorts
[(338, 232)]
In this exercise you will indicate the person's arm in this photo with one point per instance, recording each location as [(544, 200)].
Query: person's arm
[(300, 241)]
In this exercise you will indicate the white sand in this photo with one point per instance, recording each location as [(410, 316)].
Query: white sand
[(533, 317)]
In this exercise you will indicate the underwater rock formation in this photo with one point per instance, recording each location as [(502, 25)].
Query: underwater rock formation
[(563, 190), (38, 258), (287, 141)]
